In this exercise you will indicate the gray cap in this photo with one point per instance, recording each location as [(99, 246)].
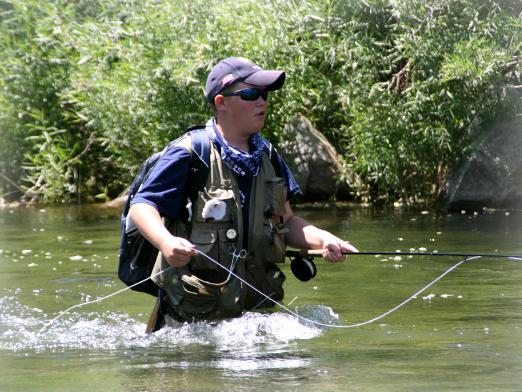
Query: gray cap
[(235, 69)]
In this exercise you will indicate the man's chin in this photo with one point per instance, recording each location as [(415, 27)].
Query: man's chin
[(260, 124)]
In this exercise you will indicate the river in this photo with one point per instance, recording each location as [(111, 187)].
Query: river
[(463, 333)]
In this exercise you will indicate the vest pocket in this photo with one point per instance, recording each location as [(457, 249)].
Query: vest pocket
[(215, 205), (276, 196), (196, 306), (270, 281), (203, 300), (273, 287), (274, 229), (213, 243), (206, 241), (275, 235)]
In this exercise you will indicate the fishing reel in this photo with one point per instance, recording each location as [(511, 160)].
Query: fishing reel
[(303, 267)]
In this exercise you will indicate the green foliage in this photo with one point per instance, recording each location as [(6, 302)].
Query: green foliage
[(36, 121), (90, 88), (440, 71)]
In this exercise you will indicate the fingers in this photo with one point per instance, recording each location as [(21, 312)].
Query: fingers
[(333, 254), (335, 251), (178, 251), (349, 248), (179, 257)]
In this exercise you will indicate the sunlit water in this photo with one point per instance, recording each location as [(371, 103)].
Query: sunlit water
[(463, 333)]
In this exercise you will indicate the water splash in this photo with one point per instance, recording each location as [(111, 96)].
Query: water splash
[(20, 324)]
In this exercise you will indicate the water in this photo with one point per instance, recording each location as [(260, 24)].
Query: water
[(463, 333)]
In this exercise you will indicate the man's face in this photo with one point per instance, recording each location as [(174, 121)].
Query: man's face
[(248, 116)]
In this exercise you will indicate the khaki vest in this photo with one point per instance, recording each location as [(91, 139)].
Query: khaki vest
[(202, 290)]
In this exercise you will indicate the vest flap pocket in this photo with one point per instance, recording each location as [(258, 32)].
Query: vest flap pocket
[(207, 242), (214, 209), (204, 241), (204, 238), (276, 196)]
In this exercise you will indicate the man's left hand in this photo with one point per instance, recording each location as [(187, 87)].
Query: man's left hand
[(335, 249)]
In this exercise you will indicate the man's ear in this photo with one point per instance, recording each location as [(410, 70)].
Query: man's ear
[(219, 102)]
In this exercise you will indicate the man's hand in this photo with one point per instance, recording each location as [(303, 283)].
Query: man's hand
[(177, 251), (333, 248)]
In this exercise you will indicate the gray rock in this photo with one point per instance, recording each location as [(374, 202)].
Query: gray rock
[(315, 164), (492, 176)]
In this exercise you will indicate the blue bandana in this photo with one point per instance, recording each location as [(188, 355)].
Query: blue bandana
[(241, 162)]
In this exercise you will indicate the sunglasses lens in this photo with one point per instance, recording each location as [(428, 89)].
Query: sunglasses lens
[(252, 94), (249, 94)]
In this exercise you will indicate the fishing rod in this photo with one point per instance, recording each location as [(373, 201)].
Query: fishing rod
[(304, 269), (319, 253)]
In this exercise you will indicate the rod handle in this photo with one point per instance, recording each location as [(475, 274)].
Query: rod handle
[(304, 253)]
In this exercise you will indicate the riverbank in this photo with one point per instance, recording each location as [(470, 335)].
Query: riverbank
[(116, 206)]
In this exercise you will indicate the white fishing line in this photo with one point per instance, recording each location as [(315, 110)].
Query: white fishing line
[(61, 314), (344, 325), (404, 302)]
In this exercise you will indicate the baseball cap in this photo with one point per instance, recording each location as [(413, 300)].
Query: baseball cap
[(235, 69)]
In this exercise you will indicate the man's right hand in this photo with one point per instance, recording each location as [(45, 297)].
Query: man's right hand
[(177, 251)]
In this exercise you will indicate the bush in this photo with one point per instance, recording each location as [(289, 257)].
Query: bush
[(45, 150), (90, 88)]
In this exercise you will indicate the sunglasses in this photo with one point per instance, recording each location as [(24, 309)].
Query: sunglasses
[(248, 94)]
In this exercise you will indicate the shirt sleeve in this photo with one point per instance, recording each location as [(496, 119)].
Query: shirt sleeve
[(293, 186), (164, 188)]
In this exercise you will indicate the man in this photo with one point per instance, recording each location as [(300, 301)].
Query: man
[(242, 219)]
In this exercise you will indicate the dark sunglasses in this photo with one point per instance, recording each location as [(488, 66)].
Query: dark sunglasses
[(248, 94)]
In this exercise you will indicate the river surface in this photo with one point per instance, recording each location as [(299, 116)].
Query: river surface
[(464, 333)]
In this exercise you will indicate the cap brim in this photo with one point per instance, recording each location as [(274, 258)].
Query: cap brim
[(271, 80)]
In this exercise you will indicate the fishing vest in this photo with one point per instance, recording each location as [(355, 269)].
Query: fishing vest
[(204, 290)]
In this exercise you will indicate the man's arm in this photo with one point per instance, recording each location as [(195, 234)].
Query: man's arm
[(176, 250), (304, 235)]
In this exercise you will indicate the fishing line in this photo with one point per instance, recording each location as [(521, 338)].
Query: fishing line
[(344, 325), (100, 299), (466, 257)]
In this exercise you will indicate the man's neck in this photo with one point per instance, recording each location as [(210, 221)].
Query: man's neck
[(234, 137)]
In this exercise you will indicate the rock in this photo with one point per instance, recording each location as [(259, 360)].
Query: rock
[(492, 176), (315, 164), (119, 202)]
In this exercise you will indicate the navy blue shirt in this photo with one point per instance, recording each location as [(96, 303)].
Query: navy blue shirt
[(164, 188)]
